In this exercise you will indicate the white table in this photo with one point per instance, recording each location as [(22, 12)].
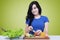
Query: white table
[(54, 37), (51, 38)]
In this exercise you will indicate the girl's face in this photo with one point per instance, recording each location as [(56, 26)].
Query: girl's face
[(34, 10)]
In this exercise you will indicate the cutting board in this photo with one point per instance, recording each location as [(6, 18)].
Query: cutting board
[(36, 38)]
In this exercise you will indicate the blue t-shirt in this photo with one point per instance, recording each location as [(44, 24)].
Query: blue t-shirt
[(38, 24)]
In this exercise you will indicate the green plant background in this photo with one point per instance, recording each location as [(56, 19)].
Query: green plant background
[(13, 13)]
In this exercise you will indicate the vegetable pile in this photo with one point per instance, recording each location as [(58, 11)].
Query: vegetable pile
[(41, 35), (13, 33)]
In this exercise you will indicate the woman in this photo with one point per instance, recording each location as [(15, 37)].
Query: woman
[(35, 22)]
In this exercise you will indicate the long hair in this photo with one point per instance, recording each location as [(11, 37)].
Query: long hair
[(30, 16)]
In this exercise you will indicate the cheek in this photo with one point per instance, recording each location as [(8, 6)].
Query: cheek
[(36, 10)]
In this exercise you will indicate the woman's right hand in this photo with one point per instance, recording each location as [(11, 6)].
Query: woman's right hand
[(28, 29)]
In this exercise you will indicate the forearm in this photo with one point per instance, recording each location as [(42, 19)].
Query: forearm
[(46, 28)]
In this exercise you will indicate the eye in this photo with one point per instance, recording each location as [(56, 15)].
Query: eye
[(34, 7)]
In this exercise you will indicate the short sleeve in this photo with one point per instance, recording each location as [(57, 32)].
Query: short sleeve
[(46, 19), (27, 21)]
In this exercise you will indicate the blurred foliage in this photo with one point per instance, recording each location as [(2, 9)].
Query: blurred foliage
[(13, 33)]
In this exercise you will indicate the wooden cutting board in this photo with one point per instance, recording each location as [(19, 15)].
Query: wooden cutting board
[(36, 38)]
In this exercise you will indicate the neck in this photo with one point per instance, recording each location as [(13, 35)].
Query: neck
[(37, 16)]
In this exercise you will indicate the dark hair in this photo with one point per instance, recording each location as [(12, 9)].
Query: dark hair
[(30, 16)]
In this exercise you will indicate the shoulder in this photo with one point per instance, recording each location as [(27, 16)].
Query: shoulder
[(27, 19), (44, 16)]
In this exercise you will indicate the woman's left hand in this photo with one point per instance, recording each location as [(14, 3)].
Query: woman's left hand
[(38, 32), (46, 36)]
